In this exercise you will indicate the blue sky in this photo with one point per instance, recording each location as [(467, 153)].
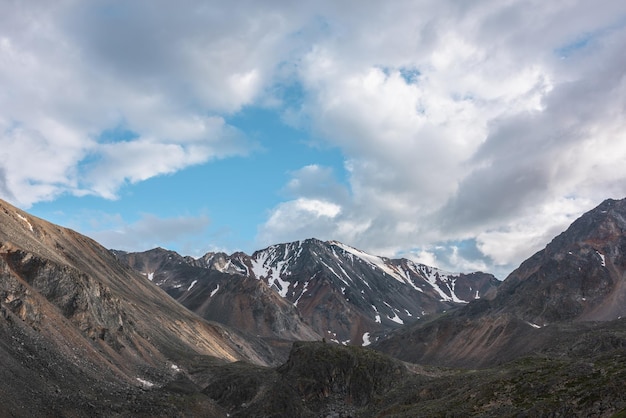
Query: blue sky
[(461, 135), (215, 206)]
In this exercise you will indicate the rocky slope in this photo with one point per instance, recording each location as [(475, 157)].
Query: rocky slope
[(214, 288), (343, 294), (579, 276), (79, 328)]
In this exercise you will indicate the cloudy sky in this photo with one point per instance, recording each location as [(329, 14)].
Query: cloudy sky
[(460, 134)]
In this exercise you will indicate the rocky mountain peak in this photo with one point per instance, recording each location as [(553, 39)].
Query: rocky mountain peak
[(601, 226), (579, 275)]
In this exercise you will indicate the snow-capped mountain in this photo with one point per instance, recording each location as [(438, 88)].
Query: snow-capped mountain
[(342, 293), (217, 287)]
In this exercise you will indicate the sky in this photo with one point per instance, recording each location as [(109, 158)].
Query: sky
[(464, 135)]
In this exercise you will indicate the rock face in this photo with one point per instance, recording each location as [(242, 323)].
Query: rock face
[(579, 276), (307, 289), (75, 321)]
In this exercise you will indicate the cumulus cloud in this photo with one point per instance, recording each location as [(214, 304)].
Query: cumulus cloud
[(73, 72), (3, 184), (471, 131), (491, 124)]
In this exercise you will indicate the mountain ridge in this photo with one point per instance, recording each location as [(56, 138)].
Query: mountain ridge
[(580, 276), (342, 293)]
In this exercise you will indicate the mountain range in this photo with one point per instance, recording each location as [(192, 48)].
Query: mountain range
[(309, 328), (309, 289)]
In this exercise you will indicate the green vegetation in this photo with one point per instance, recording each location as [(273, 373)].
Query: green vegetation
[(332, 380)]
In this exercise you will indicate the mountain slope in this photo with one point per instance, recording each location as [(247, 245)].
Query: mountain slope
[(75, 324), (349, 294), (579, 276), (82, 335), (343, 294), (215, 288)]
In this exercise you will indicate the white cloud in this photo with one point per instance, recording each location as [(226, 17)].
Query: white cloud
[(472, 125), (481, 122), (72, 71), (301, 217)]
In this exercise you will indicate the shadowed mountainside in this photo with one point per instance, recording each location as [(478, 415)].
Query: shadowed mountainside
[(580, 276)]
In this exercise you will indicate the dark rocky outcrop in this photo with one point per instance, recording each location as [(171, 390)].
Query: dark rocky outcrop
[(318, 379)]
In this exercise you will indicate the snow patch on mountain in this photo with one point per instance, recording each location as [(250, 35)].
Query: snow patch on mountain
[(259, 266), (395, 318), (281, 285), (335, 273), (451, 283), (146, 384), (304, 289), (375, 261), (433, 275), (377, 316), (23, 218), (270, 265), (408, 279)]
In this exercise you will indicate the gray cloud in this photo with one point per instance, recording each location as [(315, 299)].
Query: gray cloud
[(5, 193), (512, 128), (150, 231)]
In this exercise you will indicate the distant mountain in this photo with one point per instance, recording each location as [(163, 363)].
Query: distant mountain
[(80, 331), (216, 288), (579, 276), (310, 289)]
